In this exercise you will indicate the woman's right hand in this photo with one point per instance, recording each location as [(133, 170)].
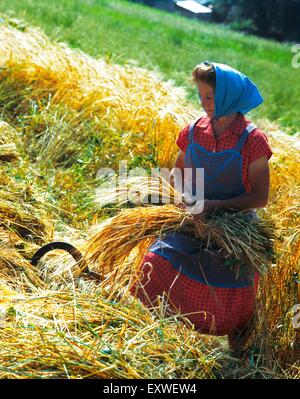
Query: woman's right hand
[(181, 205)]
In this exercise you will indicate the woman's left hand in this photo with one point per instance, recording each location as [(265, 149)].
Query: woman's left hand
[(200, 208), (207, 206)]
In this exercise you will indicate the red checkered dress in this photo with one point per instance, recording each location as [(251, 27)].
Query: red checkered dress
[(212, 310)]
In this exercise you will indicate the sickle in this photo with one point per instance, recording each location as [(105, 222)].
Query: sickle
[(74, 252)]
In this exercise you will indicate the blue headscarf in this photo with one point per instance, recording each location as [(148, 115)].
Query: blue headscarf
[(235, 92)]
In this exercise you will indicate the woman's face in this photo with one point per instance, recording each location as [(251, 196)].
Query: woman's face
[(207, 98)]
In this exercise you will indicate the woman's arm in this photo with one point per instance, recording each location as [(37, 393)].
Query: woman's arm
[(179, 163), (259, 179)]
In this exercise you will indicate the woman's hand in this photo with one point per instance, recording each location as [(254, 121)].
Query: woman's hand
[(203, 209), (181, 205), (200, 209), (209, 205)]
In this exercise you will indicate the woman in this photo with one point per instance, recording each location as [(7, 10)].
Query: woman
[(234, 155)]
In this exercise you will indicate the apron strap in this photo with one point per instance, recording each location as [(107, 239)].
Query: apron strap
[(244, 137), (191, 131)]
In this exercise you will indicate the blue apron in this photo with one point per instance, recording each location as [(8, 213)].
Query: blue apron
[(222, 180)]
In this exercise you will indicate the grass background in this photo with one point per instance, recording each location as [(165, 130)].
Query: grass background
[(122, 31)]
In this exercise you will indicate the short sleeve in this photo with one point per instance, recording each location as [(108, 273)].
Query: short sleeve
[(183, 139), (258, 146)]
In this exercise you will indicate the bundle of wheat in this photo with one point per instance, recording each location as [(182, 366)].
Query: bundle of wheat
[(135, 229)]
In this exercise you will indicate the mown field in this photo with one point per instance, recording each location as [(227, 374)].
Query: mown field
[(120, 31), (64, 115)]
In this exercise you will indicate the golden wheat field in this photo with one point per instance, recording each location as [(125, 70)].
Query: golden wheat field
[(64, 116)]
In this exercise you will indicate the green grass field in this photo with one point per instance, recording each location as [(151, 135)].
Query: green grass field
[(122, 31)]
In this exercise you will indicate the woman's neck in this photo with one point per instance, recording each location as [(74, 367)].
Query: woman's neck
[(221, 124)]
